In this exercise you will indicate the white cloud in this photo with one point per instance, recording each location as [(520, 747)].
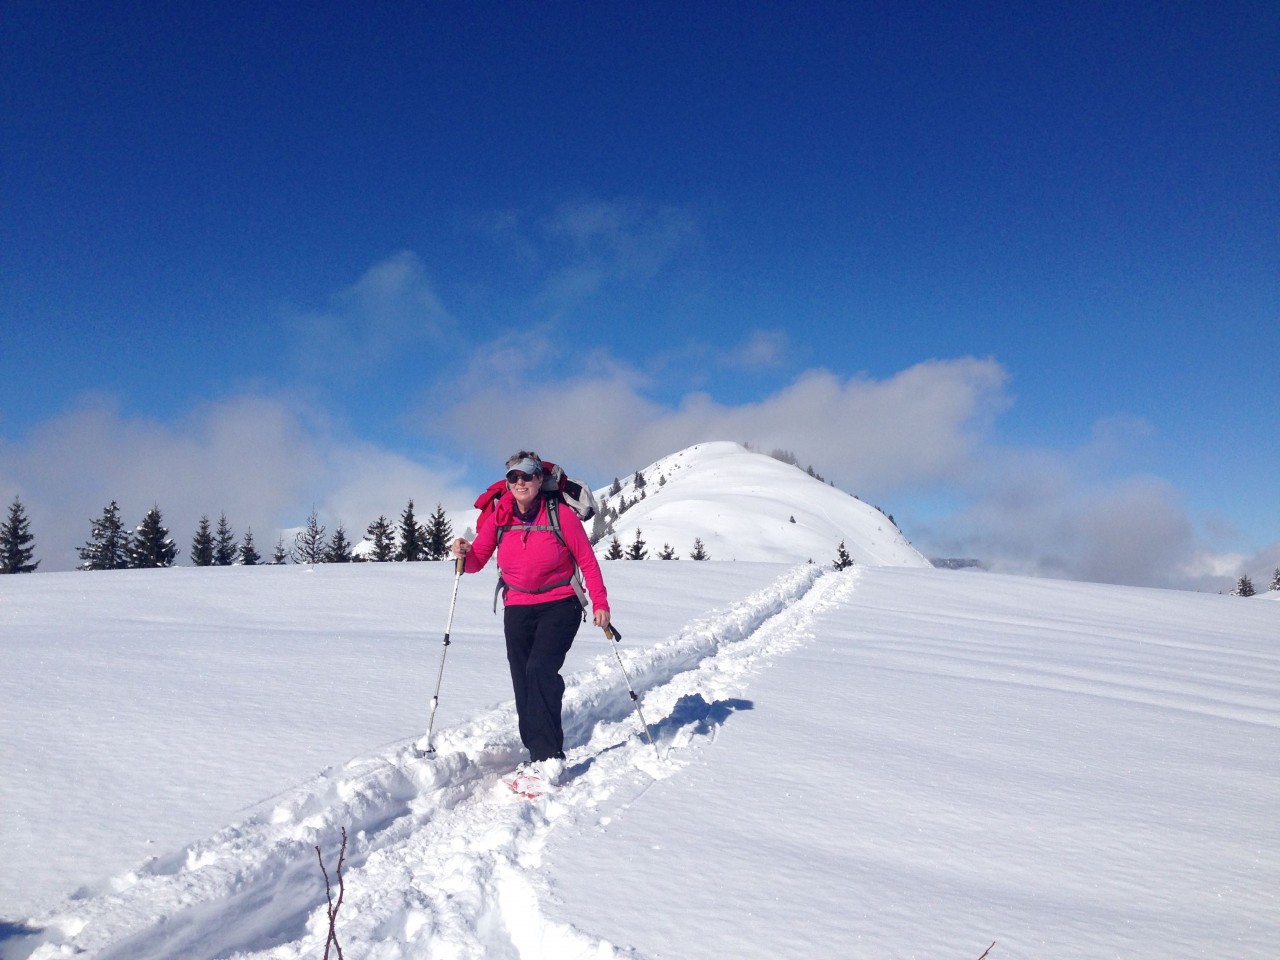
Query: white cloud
[(626, 239), (263, 461), (584, 248), (392, 308), (763, 350), (924, 435), (915, 429)]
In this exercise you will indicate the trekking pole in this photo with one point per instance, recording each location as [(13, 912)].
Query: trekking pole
[(611, 632), (435, 700)]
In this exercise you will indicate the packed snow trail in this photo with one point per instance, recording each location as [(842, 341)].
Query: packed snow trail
[(441, 858)]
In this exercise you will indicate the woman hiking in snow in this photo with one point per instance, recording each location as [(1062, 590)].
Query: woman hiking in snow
[(542, 611)]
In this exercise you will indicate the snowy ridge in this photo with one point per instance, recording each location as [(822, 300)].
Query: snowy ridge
[(749, 506), (438, 850)]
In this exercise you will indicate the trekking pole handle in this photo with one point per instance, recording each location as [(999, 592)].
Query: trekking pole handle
[(458, 564), (611, 632)]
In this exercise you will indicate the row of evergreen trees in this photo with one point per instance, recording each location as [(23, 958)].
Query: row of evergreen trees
[(639, 550), (113, 547), (409, 542)]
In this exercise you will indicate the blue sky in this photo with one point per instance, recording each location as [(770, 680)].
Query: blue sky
[(1010, 274)]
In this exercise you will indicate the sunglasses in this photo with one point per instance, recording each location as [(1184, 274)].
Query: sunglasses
[(515, 476)]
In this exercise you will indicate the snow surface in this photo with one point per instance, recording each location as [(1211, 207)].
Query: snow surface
[(749, 506), (884, 762)]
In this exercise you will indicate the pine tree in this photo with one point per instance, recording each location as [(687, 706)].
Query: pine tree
[(637, 549), (1275, 580), (249, 555), (699, 551), (151, 545), (843, 560), (15, 542), (667, 552), (638, 481), (615, 549), (383, 537), (339, 548), (281, 555), (108, 544), (439, 534), (308, 543), (412, 536), (1244, 588), (615, 488), (224, 544), (599, 528), (202, 544)]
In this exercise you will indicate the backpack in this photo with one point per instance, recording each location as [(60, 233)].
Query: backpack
[(557, 488)]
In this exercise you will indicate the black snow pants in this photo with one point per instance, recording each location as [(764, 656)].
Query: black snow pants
[(539, 636)]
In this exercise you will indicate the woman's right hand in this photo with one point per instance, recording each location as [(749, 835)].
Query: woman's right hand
[(460, 548)]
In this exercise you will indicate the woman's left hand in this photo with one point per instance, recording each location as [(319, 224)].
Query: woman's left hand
[(601, 618)]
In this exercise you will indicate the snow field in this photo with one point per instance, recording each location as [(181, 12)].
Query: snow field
[(438, 849), (886, 762)]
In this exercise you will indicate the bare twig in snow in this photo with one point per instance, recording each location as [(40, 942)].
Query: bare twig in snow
[(328, 892)]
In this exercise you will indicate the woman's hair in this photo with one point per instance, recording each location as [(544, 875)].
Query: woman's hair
[(523, 455)]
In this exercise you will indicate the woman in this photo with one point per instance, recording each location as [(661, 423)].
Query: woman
[(542, 611)]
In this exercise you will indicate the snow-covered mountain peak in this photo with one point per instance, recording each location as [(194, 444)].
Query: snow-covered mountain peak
[(745, 505)]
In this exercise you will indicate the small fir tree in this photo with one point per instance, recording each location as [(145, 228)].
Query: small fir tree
[(151, 545), (843, 560), (615, 549), (339, 548), (638, 481), (667, 552), (637, 549), (699, 551), (16, 541), (249, 555), (599, 528), (412, 537), (1244, 588), (615, 488), (108, 544), (281, 556), (224, 544), (1275, 580), (383, 540), (202, 544), (439, 535), (308, 543)]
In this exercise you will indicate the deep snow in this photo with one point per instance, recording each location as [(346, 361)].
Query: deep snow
[(886, 762)]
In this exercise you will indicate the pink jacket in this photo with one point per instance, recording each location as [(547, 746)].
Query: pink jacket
[(530, 559)]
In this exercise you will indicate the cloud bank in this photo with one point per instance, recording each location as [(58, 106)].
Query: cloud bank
[(386, 367), (264, 461)]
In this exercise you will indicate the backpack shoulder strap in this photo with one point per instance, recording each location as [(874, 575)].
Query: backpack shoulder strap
[(553, 515)]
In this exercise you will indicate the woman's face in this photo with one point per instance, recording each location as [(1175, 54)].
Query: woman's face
[(524, 487)]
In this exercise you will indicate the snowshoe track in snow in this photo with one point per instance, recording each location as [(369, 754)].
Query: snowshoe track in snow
[(440, 853)]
